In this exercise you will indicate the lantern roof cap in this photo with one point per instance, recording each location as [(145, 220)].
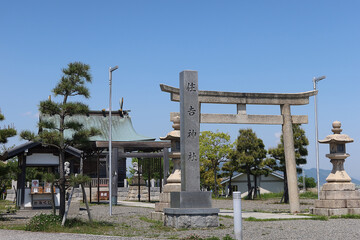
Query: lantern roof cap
[(337, 137), (173, 135)]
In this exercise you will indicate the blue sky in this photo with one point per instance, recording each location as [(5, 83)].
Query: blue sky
[(240, 46)]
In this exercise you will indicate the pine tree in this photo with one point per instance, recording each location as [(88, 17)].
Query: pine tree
[(71, 84), (230, 167), (6, 132), (251, 157), (300, 143)]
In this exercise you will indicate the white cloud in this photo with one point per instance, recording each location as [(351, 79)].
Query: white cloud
[(31, 114), (278, 135)]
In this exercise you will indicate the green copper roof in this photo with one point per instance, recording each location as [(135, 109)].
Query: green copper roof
[(122, 128)]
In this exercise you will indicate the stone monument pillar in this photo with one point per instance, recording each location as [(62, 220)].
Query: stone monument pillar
[(338, 196), (190, 208)]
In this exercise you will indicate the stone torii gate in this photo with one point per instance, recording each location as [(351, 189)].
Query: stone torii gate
[(284, 100)]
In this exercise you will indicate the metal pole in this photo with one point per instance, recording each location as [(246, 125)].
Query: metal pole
[(317, 144), (110, 143), (237, 215), (110, 138), (315, 80)]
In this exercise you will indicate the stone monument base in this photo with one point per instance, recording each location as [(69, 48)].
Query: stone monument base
[(337, 199), (190, 199), (164, 201), (191, 210), (191, 217)]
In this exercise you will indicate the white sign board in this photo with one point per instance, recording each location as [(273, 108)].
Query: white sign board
[(42, 159)]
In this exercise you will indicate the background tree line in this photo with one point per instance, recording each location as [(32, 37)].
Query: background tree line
[(246, 155)]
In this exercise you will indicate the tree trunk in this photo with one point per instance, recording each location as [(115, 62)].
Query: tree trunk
[(53, 198), (286, 193), (255, 187), (215, 185), (230, 186), (249, 184), (62, 183)]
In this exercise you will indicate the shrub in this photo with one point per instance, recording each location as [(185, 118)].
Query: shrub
[(196, 237), (227, 237), (43, 222)]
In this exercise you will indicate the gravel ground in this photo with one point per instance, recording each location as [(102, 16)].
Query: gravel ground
[(132, 227)]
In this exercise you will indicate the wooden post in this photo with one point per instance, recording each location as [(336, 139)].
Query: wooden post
[(90, 185), (22, 182), (86, 202), (68, 207), (98, 179), (139, 197)]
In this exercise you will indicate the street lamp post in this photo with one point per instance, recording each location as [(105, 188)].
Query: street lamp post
[(315, 81), (110, 139)]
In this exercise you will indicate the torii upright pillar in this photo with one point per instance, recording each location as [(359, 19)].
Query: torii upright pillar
[(290, 160)]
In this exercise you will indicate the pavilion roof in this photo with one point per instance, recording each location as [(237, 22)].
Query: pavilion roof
[(28, 145), (122, 128)]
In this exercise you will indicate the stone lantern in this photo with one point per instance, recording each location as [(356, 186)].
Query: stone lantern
[(338, 196), (174, 180), (337, 154)]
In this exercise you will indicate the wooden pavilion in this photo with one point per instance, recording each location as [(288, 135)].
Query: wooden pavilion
[(92, 161)]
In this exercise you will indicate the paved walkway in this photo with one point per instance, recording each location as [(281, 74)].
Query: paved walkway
[(226, 212)]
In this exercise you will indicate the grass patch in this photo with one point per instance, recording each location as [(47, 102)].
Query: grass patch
[(7, 207), (157, 225), (261, 211), (347, 216), (52, 223), (310, 195), (253, 219), (266, 196), (43, 222), (196, 237), (221, 197)]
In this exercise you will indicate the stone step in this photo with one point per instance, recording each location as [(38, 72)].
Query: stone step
[(333, 195), (338, 187), (330, 203), (159, 207), (335, 211)]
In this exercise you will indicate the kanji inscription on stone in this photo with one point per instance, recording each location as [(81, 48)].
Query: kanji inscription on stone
[(189, 131)]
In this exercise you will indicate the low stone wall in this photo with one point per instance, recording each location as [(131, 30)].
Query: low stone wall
[(133, 191), (124, 192)]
